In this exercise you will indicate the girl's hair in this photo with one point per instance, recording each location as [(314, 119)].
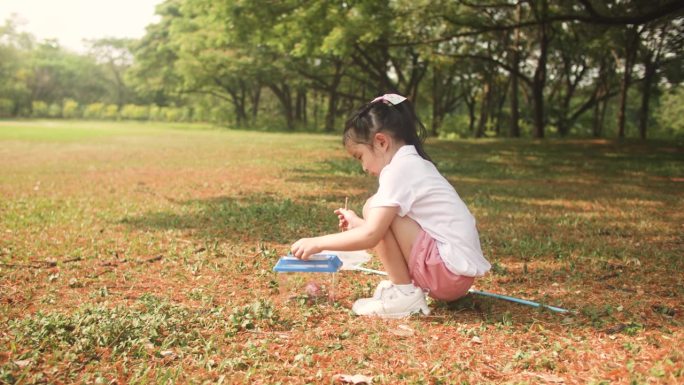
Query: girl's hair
[(380, 115)]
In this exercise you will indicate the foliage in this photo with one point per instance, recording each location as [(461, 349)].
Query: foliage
[(502, 69), (121, 330), (671, 112)]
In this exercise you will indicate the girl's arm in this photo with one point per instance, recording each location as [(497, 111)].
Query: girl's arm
[(365, 236)]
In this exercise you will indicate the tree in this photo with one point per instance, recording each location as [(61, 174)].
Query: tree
[(115, 55), (660, 43)]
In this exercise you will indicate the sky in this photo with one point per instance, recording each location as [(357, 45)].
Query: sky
[(71, 21)]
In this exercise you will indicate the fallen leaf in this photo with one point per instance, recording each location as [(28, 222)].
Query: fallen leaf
[(476, 340), (22, 363), (353, 379), (403, 331), (548, 378), (615, 329)]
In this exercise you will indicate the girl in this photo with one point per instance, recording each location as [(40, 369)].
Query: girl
[(420, 228)]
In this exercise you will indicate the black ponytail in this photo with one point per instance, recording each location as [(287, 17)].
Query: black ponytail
[(399, 120)]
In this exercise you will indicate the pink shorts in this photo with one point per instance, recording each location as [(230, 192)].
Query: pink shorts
[(428, 271)]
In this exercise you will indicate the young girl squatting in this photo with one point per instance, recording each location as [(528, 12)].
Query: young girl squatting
[(419, 227)]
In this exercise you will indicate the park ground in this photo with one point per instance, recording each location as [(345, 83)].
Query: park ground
[(143, 253)]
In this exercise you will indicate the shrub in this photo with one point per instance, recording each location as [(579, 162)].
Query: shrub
[(39, 109), (94, 111), (111, 111), (172, 114), (155, 112), (55, 110), (136, 112), (671, 112), (71, 109), (6, 107), (200, 114)]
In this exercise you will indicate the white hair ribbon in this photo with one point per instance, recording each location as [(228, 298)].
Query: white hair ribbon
[(393, 99)]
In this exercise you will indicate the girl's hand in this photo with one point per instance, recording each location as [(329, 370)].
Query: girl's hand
[(305, 247), (348, 219)]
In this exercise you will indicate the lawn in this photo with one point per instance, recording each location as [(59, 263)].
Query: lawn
[(143, 253)]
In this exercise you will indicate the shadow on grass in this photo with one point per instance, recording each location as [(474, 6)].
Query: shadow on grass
[(515, 163), (256, 217)]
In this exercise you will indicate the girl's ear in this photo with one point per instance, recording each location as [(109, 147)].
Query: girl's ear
[(382, 140)]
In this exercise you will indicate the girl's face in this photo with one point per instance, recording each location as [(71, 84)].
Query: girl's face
[(373, 157)]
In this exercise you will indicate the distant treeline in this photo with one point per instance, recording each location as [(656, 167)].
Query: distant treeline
[(500, 68)]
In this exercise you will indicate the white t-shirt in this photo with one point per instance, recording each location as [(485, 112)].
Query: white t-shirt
[(415, 186)]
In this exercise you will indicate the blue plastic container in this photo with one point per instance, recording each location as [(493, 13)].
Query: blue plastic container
[(317, 263)]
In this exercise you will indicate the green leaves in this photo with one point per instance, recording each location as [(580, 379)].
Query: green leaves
[(150, 326)]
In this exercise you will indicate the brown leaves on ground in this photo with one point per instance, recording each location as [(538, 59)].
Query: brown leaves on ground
[(184, 218)]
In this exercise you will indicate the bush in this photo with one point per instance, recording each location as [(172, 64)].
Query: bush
[(171, 114), (155, 112), (219, 115), (6, 108), (39, 109), (132, 111), (55, 110), (186, 114), (111, 111), (671, 112), (200, 114), (94, 111), (70, 109)]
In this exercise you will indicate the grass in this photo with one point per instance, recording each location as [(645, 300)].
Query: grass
[(142, 253)]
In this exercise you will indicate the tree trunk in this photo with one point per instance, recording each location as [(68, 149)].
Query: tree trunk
[(539, 80), (651, 64), (515, 109), (238, 107), (539, 83), (315, 109), (256, 98), (332, 111), (601, 92), (649, 76), (631, 45), (300, 106), (333, 98), (484, 108), (284, 95), (305, 113), (436, 103), (500, 106), (470, 103)]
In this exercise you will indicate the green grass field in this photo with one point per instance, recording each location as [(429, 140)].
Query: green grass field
[(142, 253)]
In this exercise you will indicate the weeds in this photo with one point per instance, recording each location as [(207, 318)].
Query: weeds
[(249, 317), (150, 324)]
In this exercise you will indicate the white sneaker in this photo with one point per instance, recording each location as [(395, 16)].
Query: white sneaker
[(383, 285), (389, 302)]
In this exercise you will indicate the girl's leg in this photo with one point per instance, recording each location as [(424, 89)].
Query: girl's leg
[(397, 297), (395, 248)]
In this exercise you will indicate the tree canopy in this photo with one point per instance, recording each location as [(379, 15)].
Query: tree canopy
[(500, 68)]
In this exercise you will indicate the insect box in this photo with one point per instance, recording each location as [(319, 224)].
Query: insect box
[(313, 278)]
